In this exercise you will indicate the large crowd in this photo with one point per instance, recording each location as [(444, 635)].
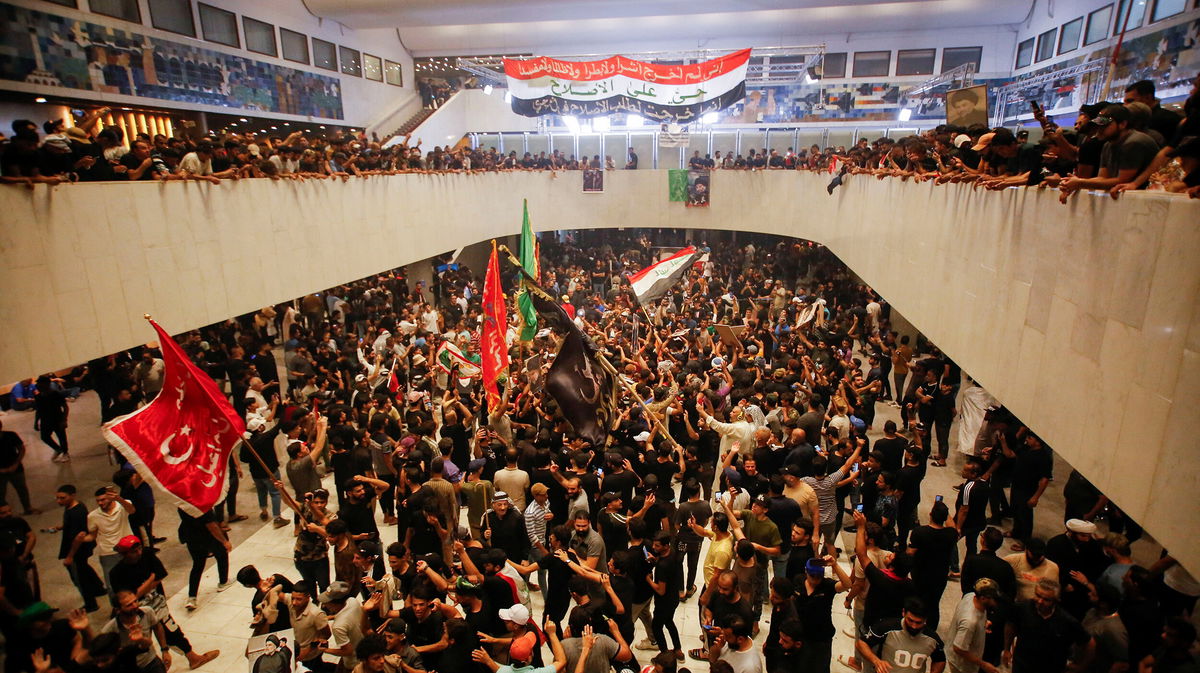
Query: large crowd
[(1123, 145), (424, 519)]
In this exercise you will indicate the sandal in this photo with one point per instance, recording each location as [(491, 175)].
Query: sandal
[(698, 654)]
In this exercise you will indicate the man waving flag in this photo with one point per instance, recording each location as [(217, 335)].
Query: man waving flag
[(652, 283), (529, 260), (181, 440)]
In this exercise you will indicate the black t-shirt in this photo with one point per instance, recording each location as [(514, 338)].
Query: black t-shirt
[(194, 529), (816, 609), (360, 516), (10, 449), (932, 561), (893, 452), (460, 455), (974, 494), (668, 569), (622, 483), (130, 576), (1044, 644), (887, 595), (1031, 467)]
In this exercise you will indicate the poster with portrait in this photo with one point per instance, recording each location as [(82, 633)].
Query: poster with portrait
[(593, 181), (967, 106), (699, 187), (272, 653)]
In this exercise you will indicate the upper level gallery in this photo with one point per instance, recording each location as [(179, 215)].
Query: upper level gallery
[(1082, 318)]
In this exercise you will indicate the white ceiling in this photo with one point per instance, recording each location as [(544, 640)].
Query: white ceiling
[(447, 27)]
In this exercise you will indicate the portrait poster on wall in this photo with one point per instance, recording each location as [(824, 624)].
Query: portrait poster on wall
[(593, 181), (967, 106), (699, 187), (272, 652)]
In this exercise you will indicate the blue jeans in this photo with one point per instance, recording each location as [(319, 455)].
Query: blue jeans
[(263, 487), (779, 564)]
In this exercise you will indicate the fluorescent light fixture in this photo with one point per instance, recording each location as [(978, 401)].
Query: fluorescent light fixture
[(487, 90), (601, 124), (709, 118), (243, 119), (905, 115), (633, 121), (39, 99)]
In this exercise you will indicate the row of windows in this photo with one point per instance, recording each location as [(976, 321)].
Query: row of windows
[(221, 26), (908, 62), (1096, 26)]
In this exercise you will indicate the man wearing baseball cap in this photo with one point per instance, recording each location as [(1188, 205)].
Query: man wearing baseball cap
[(141, 573), (345, 623), (1125, 155), (524, 648)]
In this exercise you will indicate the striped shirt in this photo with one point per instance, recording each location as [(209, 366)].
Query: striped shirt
[(535, 522), (826, 490)]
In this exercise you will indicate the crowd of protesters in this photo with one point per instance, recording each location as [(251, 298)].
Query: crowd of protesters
[(1115, 147), (423, 519)]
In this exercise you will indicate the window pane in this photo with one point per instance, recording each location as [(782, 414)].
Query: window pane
[(834, 65), (1165, 8), (173, 15), (1097, 25), (915, 61), (260, 36), (351, 62), (295, 45), (1045, 44), (1025, 53), (373, 67), (324, 54), (872, 63), (219, 25), (1136, 15), (955, 56), (1068, 37), (120, 9), (392, 73)]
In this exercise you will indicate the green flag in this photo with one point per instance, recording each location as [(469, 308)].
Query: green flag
[(529, 260), (677, 184)]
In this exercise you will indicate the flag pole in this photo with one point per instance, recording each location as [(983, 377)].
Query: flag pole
[(653, 418)]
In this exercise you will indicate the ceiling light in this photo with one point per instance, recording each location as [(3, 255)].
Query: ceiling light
[(600, 124), (487, 90), (709, 118), (243, 119), (321, 127), (633, 121), (572, 124), (39, 99), (273, 128), (905, 115)]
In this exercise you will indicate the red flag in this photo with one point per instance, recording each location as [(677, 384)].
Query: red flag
[(492, 345), (181, 441), (393, 380)]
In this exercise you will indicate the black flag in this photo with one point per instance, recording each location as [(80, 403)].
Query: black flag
[(585, 390)]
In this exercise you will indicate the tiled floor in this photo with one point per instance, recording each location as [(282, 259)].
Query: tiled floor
[(222, 618)]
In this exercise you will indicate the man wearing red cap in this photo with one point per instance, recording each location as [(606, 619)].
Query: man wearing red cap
[(523, 647), (141, 573)]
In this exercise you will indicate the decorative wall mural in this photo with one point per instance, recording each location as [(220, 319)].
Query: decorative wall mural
[(52, 50)]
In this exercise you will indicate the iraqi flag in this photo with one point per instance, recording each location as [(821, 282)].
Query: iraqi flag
[(665, 93), (652, 283), (180, 442)]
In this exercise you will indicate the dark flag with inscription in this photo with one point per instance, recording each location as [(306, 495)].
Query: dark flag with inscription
[(585, 390)]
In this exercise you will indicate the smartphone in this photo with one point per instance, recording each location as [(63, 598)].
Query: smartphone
[(858, 508), (855, 469), (1035, 106), (937, 499)]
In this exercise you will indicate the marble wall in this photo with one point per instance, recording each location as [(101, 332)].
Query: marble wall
[(1082, 318)]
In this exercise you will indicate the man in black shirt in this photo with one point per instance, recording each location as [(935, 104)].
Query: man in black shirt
[(890, 587), (666, 579), (930, 549), (358, 511), (970, 507), (1042, 635), (892, 445), (1032, 470), (12, 470), (75, 554)]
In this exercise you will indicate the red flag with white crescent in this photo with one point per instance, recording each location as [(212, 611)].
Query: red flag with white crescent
[(492, 345), (180, 442)]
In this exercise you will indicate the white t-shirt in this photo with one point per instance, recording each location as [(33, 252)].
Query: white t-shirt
[(429, 321), (191, 163), (969, 631), (110, 527), (347, 627), (743, 662)]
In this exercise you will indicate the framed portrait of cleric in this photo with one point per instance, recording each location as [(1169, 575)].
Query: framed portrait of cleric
[(699, 187), (967, 106), (272, 653), (593, 181)]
